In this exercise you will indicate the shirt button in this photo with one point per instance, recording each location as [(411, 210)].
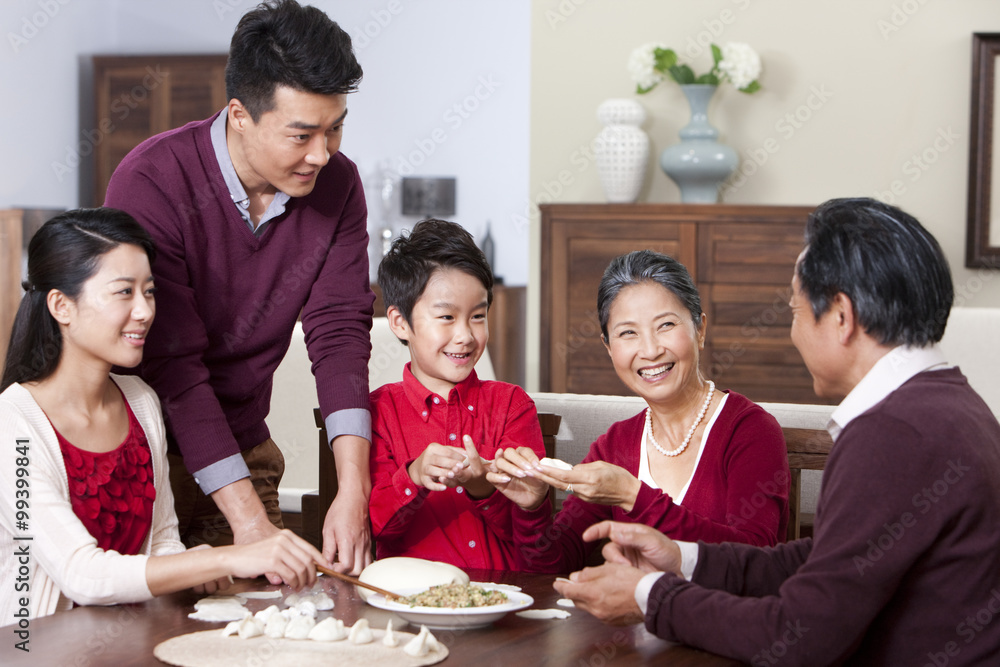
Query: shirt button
[(451, 436), (436, 400), (472, 544), (408, 492), (486, 507), (459, 489), (470, 408), (423, 414), (197, 481)]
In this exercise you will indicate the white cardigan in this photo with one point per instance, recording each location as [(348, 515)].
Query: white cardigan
[(63, 563)]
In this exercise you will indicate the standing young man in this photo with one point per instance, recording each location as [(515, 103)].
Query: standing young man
[(259, 221), (902, 569)]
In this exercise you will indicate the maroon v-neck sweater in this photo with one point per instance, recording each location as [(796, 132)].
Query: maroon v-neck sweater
[(904, 568), (227, 300)]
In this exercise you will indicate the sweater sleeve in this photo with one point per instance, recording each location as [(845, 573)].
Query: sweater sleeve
[(337, 317), (60, 545), (822, 611), (747, 474), (173, 359)]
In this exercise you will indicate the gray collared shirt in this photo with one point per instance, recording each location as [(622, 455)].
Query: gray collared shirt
[(236, 189)]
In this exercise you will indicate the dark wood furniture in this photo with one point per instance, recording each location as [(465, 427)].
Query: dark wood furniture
[(507, 333), (127, 634), (808, 449), (139, 96), (10, 273), (741, 258)]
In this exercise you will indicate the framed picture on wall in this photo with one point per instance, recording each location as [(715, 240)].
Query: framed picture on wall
[(983, 233)]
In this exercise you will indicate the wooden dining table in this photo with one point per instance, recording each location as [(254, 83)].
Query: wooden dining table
[(127, 634)]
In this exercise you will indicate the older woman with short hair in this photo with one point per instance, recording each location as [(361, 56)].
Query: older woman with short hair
[(699, 463)]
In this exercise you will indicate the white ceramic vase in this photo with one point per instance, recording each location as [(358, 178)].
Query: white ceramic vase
[(621, 149)]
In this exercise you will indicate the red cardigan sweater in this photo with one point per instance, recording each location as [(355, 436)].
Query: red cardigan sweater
[(739, 492)]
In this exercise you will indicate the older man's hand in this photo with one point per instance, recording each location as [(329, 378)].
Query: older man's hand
[(607, 592)]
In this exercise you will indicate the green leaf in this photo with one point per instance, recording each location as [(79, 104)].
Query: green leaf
[(709, 78), (665, 59), (716, 55), (682, 74), (751, 87), (642, 91)]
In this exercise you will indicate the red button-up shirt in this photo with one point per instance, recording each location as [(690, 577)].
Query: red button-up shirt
[(448, 526)]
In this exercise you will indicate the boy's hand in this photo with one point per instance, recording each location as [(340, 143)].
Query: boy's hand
[(436, 466), (508, 474), (473, 475)]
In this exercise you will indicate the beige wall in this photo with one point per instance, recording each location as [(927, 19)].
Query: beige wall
[(888, 84)]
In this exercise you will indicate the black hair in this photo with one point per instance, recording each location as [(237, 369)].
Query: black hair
[(641, 266), (891, 268), (62, 255), (282, 43), (412, 259)]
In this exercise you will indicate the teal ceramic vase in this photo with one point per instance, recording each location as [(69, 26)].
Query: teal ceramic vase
[(699, 164)]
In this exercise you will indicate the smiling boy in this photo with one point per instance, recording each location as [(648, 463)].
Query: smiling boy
[(259, 221), (430, 432)]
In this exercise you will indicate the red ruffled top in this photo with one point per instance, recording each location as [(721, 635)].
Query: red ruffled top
[(112, 493)]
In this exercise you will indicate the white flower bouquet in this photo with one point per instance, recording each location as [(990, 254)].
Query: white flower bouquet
[(735, 62)]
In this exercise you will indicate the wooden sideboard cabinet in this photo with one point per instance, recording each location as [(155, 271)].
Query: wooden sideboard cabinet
[(741, 258), (139, 96)]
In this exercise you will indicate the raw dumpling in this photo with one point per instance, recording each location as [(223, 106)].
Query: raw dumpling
[(556, 463), (299, 627), (275, 626), (292, 599), (323, 601), (361, 633), (306, 608), (422, 644), (328, 630), (219, 600), (232, 628), (390, 639), (264, 615), (250, 627)]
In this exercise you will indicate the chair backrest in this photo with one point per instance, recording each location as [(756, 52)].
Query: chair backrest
[(970, 342), (585, 417)]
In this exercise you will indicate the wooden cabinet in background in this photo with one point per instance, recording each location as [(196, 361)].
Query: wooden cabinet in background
[(741, 258), (139, 96)]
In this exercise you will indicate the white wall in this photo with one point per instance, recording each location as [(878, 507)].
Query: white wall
[(420, 60), (881, 89)]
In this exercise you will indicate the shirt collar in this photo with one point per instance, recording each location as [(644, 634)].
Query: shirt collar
[(236, 190), (422, 398), (886, 376)]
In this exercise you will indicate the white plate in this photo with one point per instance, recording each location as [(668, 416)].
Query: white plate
[(441, 618)]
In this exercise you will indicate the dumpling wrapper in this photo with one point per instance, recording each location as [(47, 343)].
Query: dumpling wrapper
[(292, 600), (390, 639), (361, 633), (299, 627), (422, 644), (556, 463), (217, 613), (400, 572), (275, 626), (565, 602), (259, 595), (250, 627), (543, 614), (328, 630)]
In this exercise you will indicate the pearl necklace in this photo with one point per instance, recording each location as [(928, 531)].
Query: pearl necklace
[(694, 426)]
